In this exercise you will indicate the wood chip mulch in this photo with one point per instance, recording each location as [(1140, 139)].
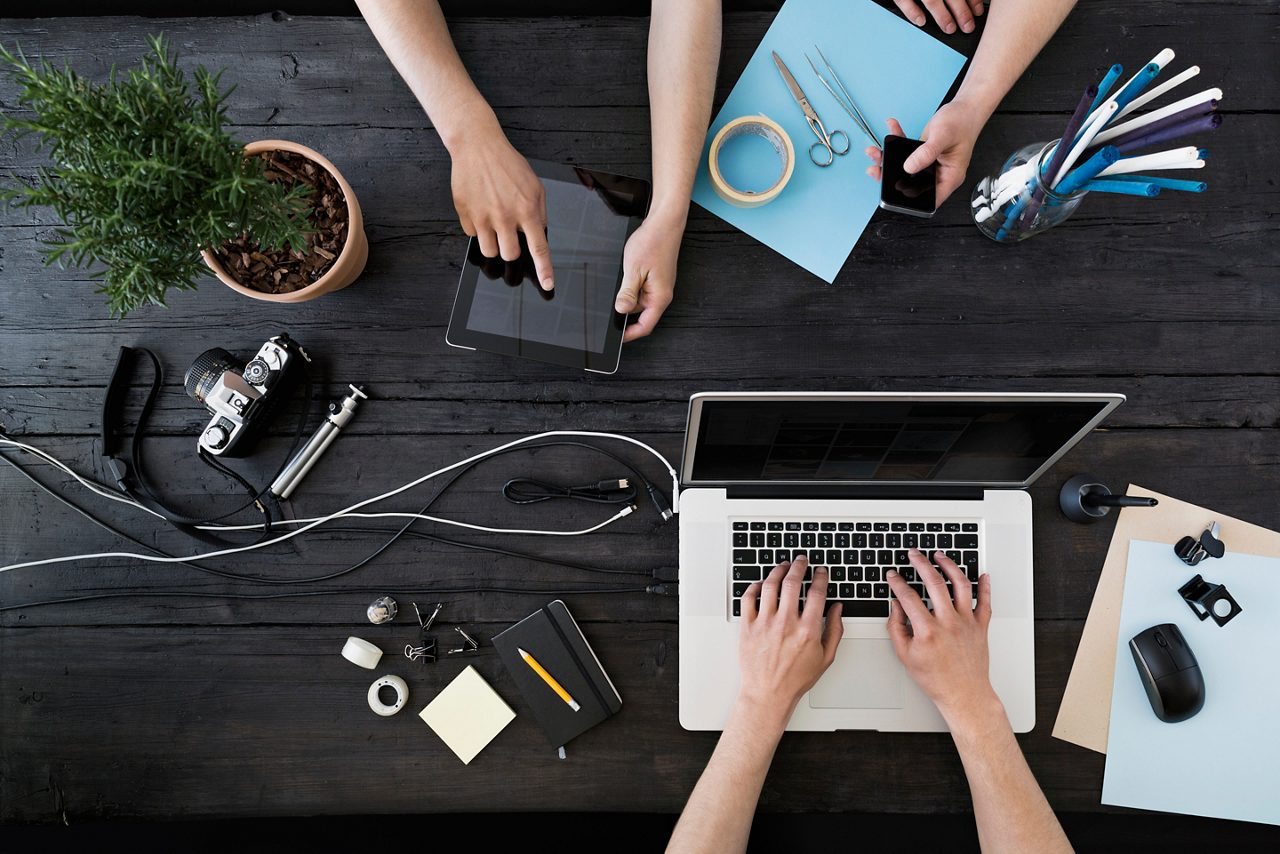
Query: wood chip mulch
[(281, 271)]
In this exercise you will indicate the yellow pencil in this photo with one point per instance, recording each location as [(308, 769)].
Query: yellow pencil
[(548, 678)]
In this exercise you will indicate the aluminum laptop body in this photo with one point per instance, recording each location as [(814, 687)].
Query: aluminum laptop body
[(840, 457)]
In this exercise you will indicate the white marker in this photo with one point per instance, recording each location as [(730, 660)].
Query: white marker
[(1100, 117), (1147, 97), (1174, 158), (1157, 115), (1161, 59)]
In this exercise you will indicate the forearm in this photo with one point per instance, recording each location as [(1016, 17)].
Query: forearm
[(684, 52), (1015, 32), (717, 817), (1011, 812), (415, 37)]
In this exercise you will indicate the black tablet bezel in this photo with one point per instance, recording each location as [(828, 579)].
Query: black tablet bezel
[(606, 361)]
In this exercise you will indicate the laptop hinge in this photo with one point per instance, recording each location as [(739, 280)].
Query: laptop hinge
[(888, 492)]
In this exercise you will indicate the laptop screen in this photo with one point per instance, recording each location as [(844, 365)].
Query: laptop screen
[(904, 440)]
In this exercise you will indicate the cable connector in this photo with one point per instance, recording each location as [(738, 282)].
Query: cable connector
[(613, 485), (669, 574), (660, 502), (663, 589)]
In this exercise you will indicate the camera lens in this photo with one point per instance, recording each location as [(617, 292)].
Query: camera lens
[(205, 370)]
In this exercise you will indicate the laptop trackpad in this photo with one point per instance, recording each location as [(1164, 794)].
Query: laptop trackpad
[(865, 675)]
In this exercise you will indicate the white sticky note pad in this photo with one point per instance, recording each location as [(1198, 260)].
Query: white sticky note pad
[(467, 714)]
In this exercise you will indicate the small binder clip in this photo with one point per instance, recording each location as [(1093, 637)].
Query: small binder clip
[(1206, 599), (1191, 550), (425, 651), (469, 644)]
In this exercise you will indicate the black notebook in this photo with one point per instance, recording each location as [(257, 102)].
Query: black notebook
[(554, 640)]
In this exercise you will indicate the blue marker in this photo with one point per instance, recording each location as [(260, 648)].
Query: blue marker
[(1163, 183), (1105, 86), (1083, 174), (1125, 188)]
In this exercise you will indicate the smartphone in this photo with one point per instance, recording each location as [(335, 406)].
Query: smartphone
[(902, 193)]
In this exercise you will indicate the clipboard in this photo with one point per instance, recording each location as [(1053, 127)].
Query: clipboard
[(1085, 712)]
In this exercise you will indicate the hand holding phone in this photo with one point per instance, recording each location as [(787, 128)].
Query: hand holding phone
[(904, 193)]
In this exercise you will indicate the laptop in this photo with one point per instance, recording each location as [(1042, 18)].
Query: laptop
[(854, 480)]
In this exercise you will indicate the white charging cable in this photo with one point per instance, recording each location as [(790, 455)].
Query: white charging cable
[(349, 511)]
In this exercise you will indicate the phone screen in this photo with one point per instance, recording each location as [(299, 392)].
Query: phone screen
[(913, 194)]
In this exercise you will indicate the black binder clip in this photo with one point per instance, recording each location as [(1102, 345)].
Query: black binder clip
[(1206, 599), (425, 651), (1191, 550)]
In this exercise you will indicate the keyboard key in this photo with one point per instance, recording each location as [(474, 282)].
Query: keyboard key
[(737, 607), (832, 557), (928, 542), (865, 556), (842, 541), (859, 541), (793, 526), (739, 541), (826, 541), (893, 541), (877, 541), (846, 591), (773, 540), (804, 588), (908, 574), (757, 526), (944, 541), (775, 526), (832, 591), (969, 527), (969, 559), (954, 555), (864, 526), (828, 526), (808, 572), (864, 591), (816, 556), (849, 556), (739, 526), (739, 589), (782, 556), (911, 541), (866, 608), (855, 573), (746, 573), (918, 587), (846, 526), (811, 526), (791, 540), (952, 526), (899, 526), (808, 541), (744, 556), (757, 541), (884, 556), (901, 558), (871, 573), (765, 556), (916, 526), (837, 573), (966, 541), (934, 526), (881, 526), (881, 591)]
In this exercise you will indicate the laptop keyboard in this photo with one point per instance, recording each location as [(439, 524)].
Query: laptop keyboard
[(857, 554)]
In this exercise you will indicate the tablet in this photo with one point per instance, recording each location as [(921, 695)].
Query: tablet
[(500, 308)]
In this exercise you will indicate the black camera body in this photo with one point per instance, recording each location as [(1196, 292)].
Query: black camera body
[(244, 397)]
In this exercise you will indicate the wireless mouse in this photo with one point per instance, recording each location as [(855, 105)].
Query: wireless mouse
[(1169, 672)]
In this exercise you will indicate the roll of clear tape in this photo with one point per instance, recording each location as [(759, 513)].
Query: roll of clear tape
[(362, 653), (768, 130), (396, 684)]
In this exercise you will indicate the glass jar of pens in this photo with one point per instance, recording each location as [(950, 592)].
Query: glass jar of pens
[(1042, 184)]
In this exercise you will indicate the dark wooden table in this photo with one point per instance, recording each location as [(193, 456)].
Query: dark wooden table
[(143, 707)]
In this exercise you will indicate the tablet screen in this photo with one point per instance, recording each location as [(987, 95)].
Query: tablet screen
[(500, 306)]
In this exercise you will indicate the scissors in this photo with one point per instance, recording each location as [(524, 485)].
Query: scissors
[(834, 143)]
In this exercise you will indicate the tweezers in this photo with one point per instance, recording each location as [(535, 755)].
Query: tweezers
[(846, 101)]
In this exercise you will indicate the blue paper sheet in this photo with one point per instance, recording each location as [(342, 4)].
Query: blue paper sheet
[(1225, 761), (889, 66)]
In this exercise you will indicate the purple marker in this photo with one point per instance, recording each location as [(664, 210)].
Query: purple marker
[(1060, 153), (1196, 125), (1193, 112)]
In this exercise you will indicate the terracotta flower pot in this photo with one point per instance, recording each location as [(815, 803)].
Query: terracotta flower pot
[(355, 251)]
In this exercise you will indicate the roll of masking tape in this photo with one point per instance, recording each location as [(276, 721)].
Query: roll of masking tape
[(768, 130), (362, 653), (396, 684)]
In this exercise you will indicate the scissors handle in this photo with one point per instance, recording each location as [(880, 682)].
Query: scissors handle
[(836, 135), (817, 158)]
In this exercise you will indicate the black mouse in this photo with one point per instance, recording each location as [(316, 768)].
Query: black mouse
[(1169, 672)]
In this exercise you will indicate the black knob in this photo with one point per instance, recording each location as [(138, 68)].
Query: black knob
[(259, 373)]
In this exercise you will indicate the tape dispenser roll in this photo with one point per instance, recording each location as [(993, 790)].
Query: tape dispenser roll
[(360, 652), (768, 130)]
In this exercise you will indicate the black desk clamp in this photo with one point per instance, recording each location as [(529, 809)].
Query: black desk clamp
[(1204, 598), (1085, 499)]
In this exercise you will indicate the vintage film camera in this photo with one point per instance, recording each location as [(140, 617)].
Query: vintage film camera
[(243, 397)]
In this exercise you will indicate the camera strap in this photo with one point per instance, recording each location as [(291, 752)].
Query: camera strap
[(124, 460)]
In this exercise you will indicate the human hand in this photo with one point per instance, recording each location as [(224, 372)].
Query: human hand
[(497, 196), (782, 650), (948, 139), (945, 652), (947, 13), (648, 274)]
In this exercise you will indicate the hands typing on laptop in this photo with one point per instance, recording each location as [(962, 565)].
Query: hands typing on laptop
[(784, 648)]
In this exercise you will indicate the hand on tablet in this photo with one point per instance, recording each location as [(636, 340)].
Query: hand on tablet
[(497, 197), (948, 14), (949, 138), (648, 275)]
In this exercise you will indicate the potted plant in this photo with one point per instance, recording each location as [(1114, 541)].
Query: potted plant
[(148, 183)]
